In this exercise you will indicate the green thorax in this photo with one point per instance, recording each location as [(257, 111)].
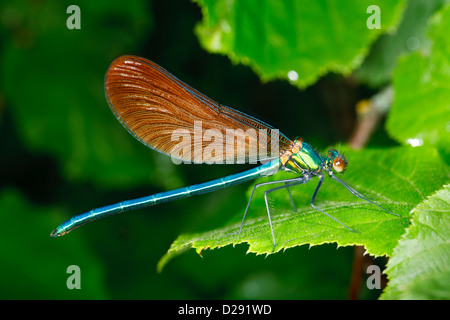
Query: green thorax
[(302, 157)]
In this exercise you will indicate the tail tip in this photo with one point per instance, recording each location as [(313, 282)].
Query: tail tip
[(55, 233)]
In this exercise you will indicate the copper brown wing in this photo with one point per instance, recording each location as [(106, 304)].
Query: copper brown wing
[(171, 117)]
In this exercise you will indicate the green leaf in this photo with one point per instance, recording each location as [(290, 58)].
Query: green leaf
[(310, 38), (419, 267), (420, 112), (397, 179), (32, 265)]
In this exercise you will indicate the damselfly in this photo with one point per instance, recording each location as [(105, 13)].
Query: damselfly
[(160, 111)]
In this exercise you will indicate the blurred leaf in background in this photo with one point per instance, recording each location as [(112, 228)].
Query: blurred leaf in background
[(420, 113), (39, 271)]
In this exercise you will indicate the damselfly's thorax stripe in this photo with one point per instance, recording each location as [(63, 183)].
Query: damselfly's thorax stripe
[(286, 160)]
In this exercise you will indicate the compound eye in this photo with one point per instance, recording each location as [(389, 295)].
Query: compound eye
[(339, 164)]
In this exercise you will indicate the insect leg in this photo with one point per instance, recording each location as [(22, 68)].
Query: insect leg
[(359, 195), (287, 182), (318, 209)]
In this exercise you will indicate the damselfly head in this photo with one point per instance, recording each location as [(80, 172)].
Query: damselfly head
[(336, 161)]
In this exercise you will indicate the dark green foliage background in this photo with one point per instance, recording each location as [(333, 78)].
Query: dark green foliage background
[(62, 153)]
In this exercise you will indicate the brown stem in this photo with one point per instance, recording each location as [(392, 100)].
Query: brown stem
[(369, 113)]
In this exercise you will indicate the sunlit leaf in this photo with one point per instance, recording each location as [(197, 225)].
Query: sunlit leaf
[(295, 40), (398, 179), (378, 67), (419, 267)]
